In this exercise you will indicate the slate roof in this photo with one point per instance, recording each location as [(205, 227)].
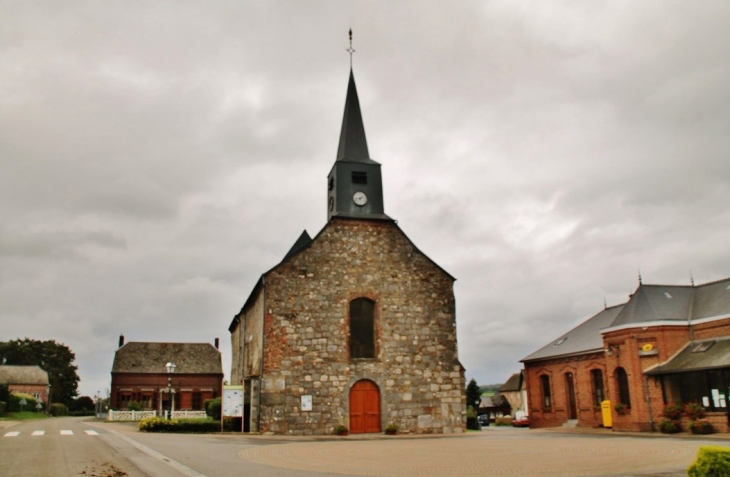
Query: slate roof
[(657, 303), (189, 358), (514, 383), (695, 356), (711, 299), (353, 146), (23, 375), (583, 338)]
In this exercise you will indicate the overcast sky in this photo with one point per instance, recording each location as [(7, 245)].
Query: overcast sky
[(157, 157)]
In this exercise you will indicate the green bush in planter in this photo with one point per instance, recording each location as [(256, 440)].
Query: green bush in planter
[(668, 426), (711, 461)]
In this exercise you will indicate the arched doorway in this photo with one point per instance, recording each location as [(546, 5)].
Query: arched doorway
[(364, 407)]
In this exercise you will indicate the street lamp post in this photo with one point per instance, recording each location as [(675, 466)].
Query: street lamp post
[(170, 369)]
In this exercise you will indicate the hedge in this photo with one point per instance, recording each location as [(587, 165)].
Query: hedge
[(182, 426), (14, 403), (712, 461), (3, 407), (57, 409)]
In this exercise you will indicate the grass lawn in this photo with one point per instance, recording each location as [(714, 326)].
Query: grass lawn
[(24, 416)]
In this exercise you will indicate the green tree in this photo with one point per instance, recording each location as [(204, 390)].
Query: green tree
[(473, 395), (54, 358)]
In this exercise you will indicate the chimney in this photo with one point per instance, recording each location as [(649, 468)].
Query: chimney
[(121, 340), (217, 342)]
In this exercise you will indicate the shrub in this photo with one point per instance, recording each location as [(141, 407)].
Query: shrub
[(694, 411), (341, 430), (183, 426), (135, 406), (14, 402), (57, 409), (471, 419), (711, 461), (391, 428), (85, 412), (213, 408), (503, 421), (621, 408), (672, 412), (3, 407), (668, 426), (701, 426)]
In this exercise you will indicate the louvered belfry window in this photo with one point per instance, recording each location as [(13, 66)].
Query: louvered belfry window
[(362, 328)]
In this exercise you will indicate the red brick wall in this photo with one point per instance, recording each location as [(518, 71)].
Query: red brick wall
[(135, 383), (30, 389)]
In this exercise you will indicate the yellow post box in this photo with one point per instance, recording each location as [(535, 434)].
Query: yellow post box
[(606, 412)]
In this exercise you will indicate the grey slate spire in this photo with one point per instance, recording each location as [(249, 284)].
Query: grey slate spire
[(354, 185), (353, 145)]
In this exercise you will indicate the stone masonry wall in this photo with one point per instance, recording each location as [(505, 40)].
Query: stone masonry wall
[(306, 352)]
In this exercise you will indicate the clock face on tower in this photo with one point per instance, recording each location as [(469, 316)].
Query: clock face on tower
[(359, 198)]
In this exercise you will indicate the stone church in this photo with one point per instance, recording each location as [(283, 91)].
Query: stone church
[(354, 327)]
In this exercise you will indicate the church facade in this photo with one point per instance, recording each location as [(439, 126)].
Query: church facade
[(355, 327)]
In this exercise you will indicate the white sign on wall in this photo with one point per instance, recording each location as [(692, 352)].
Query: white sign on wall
[(307, 402), (232, 401)]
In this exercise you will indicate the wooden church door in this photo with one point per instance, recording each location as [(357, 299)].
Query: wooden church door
[(364, 407)]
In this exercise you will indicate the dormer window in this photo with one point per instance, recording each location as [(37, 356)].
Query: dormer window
[(359, 177), (702, 347)]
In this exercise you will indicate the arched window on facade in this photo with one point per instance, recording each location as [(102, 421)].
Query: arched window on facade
[(362, 328), (598, 392), (622, 384), (545, 387)]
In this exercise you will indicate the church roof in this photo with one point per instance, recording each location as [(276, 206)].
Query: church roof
[(23, 375), (584, 338), (300, 244), (146, 357), (353, 145)]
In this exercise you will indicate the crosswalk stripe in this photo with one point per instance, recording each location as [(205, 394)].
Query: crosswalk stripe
[(91, 433), (12, 434), (67, 433), (38, 433)]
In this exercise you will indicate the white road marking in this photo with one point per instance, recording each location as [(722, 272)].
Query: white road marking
[(92, 433), (12, 434), (67, 433), (38, 433)]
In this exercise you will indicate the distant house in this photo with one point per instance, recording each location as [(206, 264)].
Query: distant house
[(26, 379), (515, 391), (494, 407), (667, 344), (139, 374)]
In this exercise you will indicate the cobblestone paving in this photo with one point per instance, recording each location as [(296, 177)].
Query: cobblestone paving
[(489, 454)]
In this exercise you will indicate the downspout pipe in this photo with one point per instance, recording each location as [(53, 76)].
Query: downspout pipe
[(648, 402)]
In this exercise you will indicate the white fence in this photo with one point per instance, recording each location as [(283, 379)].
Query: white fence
[(189, 415), (139, 415), (130, 415)]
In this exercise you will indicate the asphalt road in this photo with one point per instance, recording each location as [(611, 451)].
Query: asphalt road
[(67, 447)]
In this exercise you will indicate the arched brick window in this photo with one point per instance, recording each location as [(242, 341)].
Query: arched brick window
[(598, 392), (362, 328), (545, 388), (622, 384)]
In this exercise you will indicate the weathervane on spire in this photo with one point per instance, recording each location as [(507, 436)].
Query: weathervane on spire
[(350, 50)]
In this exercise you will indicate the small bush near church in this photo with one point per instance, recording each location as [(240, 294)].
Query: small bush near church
[(667, 426), (213, 408), (57, 409), (694, 411), (701, 426), (711, 461), (672, 412)]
